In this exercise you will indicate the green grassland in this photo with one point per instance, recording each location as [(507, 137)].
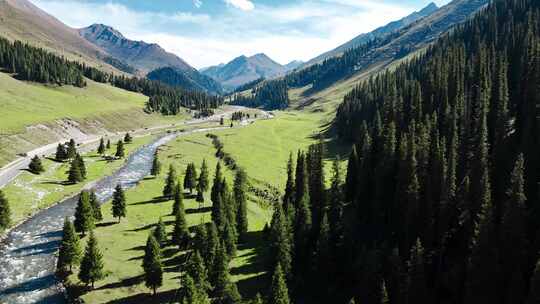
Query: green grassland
[(28, 193), (122, 244)]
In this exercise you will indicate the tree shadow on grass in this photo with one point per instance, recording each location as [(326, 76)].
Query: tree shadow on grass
[(142, 228), (60, 183), (198, 210), (106, 224), (161, 297), (123, 283), (155, 200)]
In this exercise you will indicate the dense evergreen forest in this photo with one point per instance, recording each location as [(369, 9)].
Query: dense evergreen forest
[(34, 64), (249, 86), (271, 95), (441, 199)]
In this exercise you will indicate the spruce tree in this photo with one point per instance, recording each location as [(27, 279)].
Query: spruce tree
[(351, 185), (96, 207), (203, 181), (119, 209), (71, 149), (301, 184), (82, 166), (279, 293), (240, 197), (127, 138), (160, 233), (229, 238), (84, 215), (289, 197), (101, 147), (200, 195), (156, 166), (196, 269), (209, 251), (69, 253), (5, 212), (108, 145), (120, 153), (200, 239), (220, 277), (35, 165), (280, 243), (323, 250), (74, 174), (190, 179), (180, 236), (170, 182), (335, 214), (61, 153), (192, 294), (216, 186), (417, 290), (178, 199), (302, 238), (152, 266), (92, 267)]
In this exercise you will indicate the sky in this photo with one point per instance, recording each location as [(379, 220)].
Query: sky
[(209, 32)]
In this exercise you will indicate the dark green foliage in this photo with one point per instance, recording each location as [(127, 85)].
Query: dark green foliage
[(82, 167), (289, 197), (192, 294), (156, 166), (279, 293), (75, 173), (209, 251), (257, 300), (200, 195), (203, 181), (196, 269), (84, 214), (92, 267), (120, 152), (229, 238), (240, 197), (178, 199), (35, 165), (190, 179), (170, 182), (220, 277), (71, 151), (108, 146), (280, 242), (418, 290), (61, 153), (96, 207), (160, 233), (101, 147), (119, 203), (5, 212), (271, 95), (128, 139), (69, 253), (152, 266), (180, 234)]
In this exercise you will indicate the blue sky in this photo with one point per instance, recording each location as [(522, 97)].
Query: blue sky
[(209, 32)]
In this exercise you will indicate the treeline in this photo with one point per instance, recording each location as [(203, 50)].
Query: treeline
[(35, 64), (441, 199), (271, 95), (332, 69), (249, 86)]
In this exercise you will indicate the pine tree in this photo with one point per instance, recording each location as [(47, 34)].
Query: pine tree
[(127, 138), (71, 149), (96, 207), (220, 277), (101, 147), (289, 197), (119, 203), (70, 249), (120, 153), (196, 269), (200, 195), (190, 179), (351, 184), (74, 173), (302, 237), (418, 292), (36, 166), (216, 186), (240, 185), (180, 235), (153, 268), (156, 166), (192, 294), (279, 293), (91, 269), (61, 153), (82, 166), (323, 251), (209, 251), (335, 214), (84, 215), (108, 146), (229, 238), (203, 181), (160, 233), (178, 199), (170, 182), (5, 212), (280, 243)]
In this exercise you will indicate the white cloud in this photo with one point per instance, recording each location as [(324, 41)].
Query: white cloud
[(197, 3), (298, 30), (244, 5)]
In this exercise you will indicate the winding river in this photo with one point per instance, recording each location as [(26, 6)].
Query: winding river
[(28, 254)]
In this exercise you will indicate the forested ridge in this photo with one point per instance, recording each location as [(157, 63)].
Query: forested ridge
[(271, 95), (35, 64), (440, 202)]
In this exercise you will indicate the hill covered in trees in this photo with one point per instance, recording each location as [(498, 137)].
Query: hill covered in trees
[(270, 95), (441, 199)]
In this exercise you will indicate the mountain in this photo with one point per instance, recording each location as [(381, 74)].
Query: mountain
[(21, 20), (293, 65), (185, 79), (377, 33), (242, 70), (147, 57)]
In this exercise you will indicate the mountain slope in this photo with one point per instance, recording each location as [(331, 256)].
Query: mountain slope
[(21, 20), (145, 57), (191, 81), (242, 70), (377, 33)]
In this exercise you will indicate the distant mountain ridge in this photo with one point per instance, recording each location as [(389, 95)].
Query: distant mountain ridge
[(377, 33), (147, 57), (243, 69)]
